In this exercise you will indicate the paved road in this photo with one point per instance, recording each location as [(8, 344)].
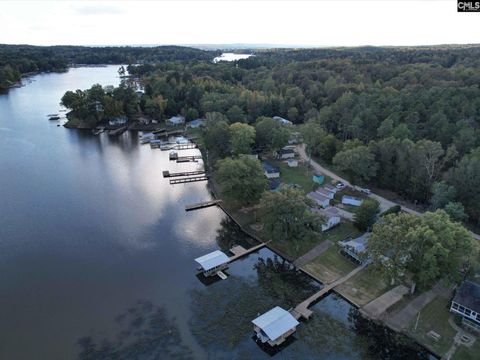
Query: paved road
[(385, 204)]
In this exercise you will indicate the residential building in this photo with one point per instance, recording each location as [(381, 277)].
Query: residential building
[(320, 199), (325, 192), (285, 153), (356, 249), (270, 171), (332, 218), (176, 120), (466, 303), (351, 200), (282, 120), (194, 124)]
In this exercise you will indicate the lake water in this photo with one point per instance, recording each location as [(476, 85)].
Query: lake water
[(96, 253), (231, 57)]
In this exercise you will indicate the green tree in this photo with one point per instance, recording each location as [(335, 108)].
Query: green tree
[(358, 162), (456, 211), (366, 214), (242, 137), (216, 135), (286, 216), (442, 194), (270, 134), (241, 179)]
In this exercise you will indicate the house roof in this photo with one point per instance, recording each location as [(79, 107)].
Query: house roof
[(348, 197), (177, 118), (468, 295), (282, 120), (323, 192), (270, 168), (275, 322), (329, 212), (285, 151), (212, 260), (359, 244), (316, 196)]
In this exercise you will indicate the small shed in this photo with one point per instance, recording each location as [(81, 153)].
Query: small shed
[(285, 153), (213, 262), (319, 179), (350, 200), (275, 326), (292, 163), (320, 199), (270, 171)]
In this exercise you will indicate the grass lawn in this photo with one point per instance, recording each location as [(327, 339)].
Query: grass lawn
[(465, 353), (296, 175), (434, 317), (341, 232), (331, 265), (364, 287)]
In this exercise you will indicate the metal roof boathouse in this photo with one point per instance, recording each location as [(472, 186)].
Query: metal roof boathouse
[(213, 262), (275, 326)]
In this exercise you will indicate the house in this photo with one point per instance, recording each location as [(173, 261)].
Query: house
[(325, 192), (119, 120), (275, 326), (466, 303), (332, 217), (350, 200), (282, 120), (331, 188), (194, 124), (292, 163), (356, 248), (320, 199), (213, 262), (285, 153), (270, 171), (139, 93), (176, 120)]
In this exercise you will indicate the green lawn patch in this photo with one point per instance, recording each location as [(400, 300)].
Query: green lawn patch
[(331, 265), (296, 175), (434, 317), (468, 353), (363, 287)]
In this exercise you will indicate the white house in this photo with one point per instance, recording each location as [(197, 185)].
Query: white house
[(331, 188), (213, 262), (176, 120), (275, 326), (350, 200), (466, 303), (356, 248), (282, 120), (119, 120), (270, 171), (332, 218), (320, 199), (292, 163)]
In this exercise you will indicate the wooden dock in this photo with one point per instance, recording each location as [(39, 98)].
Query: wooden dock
[(186, 173), (184, 146), (188, 158), (202, 205), (302, 309), (188, 179), (239, 251)]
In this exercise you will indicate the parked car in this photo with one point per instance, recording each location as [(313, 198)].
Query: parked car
[(365, 191), (340, 185)]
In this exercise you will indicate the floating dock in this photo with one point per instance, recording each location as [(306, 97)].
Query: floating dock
[(188, 158), (239, 251), (202, 205), (188, 179), (186, 173)]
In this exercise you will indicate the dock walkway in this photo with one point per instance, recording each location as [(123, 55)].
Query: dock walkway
[(188, 179), (187, 158), (239, 251), (302, 309), (375, 308), (202, 205), (185, 173)]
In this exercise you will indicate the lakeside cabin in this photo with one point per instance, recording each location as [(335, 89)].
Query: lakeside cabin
[(332, 217), (282, 120), (197, 123), (176, 120), (326, 193), (351, 200), (212, 263), (270, 171), (275, 326), (466, 303), (356, 249)]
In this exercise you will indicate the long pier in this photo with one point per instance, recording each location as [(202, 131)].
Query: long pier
[(185, 173), (239, 251), (302, 309), (188, 158), (188, 179), (202, 205)]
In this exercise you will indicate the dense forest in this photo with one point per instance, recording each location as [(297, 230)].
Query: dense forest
[(18, 60), (404, 119)]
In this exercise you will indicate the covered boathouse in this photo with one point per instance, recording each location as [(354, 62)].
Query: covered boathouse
[(213, 262), (275, 326)]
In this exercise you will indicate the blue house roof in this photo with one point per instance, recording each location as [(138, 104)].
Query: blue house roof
[(276, 322)]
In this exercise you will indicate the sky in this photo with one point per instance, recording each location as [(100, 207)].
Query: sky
[(314, 23)]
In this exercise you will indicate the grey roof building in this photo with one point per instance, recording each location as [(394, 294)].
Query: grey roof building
[(467, 304), (274, 326)]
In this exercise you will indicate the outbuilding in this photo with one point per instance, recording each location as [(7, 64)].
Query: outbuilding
[(194, 124), (270, 171), (356, 248), (275, 326), (320, 199), (213, 262)]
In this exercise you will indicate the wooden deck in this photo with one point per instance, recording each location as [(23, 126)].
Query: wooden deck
[(239, 251), (187, 158), (188, 179), (202, 205), (302, 309), (185, 173)]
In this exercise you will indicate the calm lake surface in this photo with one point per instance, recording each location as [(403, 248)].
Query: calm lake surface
[(231, 57), (96, 253)]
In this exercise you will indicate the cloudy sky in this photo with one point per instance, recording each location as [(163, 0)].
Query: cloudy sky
[(323, 23)]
